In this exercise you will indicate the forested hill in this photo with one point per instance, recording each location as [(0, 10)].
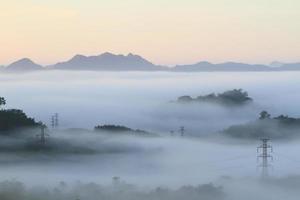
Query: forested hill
[(12, 119), (231, 97), (280, 127)]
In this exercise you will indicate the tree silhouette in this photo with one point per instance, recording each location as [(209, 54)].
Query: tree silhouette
[(2, 101), (264, 115), (11, 119), (230, 97)]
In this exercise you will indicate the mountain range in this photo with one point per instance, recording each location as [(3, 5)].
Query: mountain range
[(131, 62)]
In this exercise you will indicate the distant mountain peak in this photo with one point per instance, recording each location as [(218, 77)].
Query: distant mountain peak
[(107, 54), (79, 56), (24, 64), (203, 63), (107, 61), (24, 61), (132, 62), (133, 55), (276, 64)]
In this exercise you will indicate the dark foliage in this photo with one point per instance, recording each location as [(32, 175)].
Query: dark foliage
[(184, 99), (122, 129), (264, 115), (113, 128), (13, 119), (231, 97), (2, 101), (15, 190), (281, 127)]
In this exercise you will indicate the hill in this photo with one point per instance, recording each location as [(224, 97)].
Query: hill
[(14, 119), (280, 127), (113, 62), (231, 98), (107, 62), (23, 65), (290, 67), (117, 129), (228, 66)]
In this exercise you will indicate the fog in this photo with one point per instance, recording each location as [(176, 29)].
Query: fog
[(140, 99), (195, 166)]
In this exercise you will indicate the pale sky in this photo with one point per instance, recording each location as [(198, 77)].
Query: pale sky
[(163, 31)]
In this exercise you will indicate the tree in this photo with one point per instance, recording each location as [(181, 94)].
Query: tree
[(264, 115), (185, 99), (15, 119), (2, 101)]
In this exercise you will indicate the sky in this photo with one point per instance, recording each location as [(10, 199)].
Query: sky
[(165, 32)]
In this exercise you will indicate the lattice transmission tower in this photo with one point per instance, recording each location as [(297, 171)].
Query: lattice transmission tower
[(264, 155)]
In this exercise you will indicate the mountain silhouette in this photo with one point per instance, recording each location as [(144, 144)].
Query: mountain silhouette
[(113, 62), (24, 64), (107, 62), (228, 66), (290, 67)]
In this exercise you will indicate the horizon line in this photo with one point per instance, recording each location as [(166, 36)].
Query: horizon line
[(162, 65)]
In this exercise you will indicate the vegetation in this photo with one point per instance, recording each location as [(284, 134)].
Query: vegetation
[(231, 97), (2, 101), (264, 115), (280, 127), (12, 119), (122, 129), (113, 128), (15, 190)]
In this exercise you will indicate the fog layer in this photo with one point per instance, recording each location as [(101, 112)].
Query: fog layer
[(143, 101)]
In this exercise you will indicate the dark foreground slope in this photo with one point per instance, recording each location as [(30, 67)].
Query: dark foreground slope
[(13, 119)]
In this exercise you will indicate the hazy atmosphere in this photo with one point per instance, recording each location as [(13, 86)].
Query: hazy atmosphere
[(142, 99), (167, 32), (149, 100)]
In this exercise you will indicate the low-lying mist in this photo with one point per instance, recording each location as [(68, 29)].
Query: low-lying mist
[(80, 163), (141, 99)]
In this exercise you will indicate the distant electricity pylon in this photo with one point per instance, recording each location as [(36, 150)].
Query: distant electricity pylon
[(182, 131), (54, 121), (42, 136), (264, 155)]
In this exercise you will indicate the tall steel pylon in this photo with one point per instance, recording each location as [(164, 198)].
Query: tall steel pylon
[(54, 121), (264, 155), (42, 136)]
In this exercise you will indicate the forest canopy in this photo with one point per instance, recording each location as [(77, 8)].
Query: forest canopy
[(11, 119), (122, 129), (280, 127), (230, 97)]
